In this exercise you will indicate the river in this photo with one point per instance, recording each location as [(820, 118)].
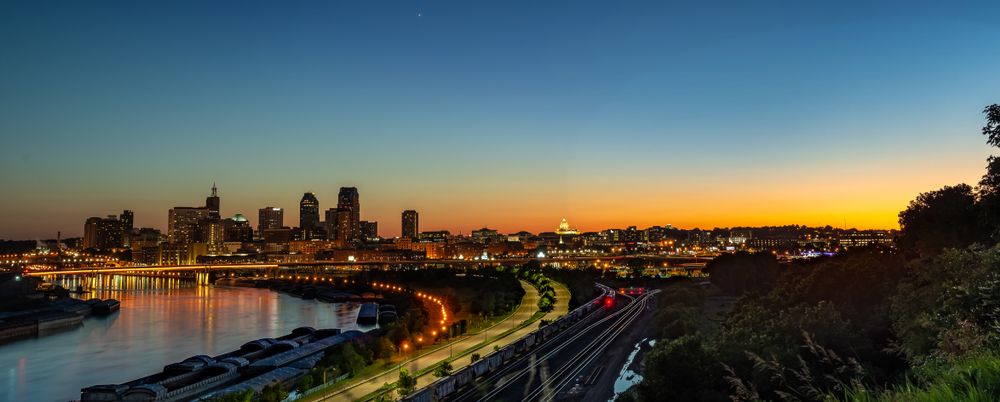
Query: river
[(161, 321)]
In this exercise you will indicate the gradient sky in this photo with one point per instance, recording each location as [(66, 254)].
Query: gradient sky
[(507, 114)]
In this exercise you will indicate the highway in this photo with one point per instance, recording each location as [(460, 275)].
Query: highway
[(566, 365), (435, 354)]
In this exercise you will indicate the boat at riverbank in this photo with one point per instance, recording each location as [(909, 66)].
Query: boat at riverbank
[(368, 315), (106, 307), (61, 314)]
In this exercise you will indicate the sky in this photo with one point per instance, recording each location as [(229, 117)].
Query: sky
[(506, 114)]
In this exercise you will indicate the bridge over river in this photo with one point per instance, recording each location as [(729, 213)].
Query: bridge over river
[(326, 266)]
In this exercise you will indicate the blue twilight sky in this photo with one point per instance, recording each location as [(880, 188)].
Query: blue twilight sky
[(501, 113)]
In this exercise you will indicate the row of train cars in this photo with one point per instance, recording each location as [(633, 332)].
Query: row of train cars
[(446, 386)]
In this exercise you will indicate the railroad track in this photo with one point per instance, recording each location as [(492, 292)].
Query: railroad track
[(621, 319)]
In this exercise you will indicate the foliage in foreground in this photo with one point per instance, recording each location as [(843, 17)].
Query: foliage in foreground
[(973, 379), (919, 323)]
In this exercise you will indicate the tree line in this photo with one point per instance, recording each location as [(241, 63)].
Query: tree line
[(917, 322)]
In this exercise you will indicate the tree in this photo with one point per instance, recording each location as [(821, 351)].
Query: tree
[(384, 397), (305, 383), (743, 272), (245, 396), (474, 358), (384, 348), (685, 369), (946, 218), (407, 383), (989, 186), (384, 393), (352, 362), (992, 128), (273, 393), (443, 370), (951, 304)]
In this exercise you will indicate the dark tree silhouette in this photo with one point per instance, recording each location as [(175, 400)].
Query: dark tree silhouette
[(989, 186), (743, 272), (946, 218), (992, 128), (991, 180)]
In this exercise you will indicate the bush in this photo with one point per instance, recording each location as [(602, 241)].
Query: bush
[(443, 370), (407, 383), (974, 379)]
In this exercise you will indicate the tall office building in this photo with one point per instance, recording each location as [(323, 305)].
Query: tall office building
[(90, 232), (348, 215), (127, 222), (309, 215), (214, 235), (270, 218), (411, 224), (369, 230), (184, 223), (103, 233), (331, 223), (212, 203), (127, 219)]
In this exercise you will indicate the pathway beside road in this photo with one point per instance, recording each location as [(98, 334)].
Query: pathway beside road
[(436, 354)]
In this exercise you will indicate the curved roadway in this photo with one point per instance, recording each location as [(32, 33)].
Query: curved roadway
[(434, 355)]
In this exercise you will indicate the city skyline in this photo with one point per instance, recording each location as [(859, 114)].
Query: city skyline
[(753, 114), (290, 222), (452, 200)]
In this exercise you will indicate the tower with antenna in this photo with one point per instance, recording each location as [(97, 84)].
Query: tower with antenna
[(212, 203)]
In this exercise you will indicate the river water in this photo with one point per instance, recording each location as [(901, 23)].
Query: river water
[(161, 321)]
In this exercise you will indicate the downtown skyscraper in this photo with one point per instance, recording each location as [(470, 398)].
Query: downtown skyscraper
[(183, 224), (348, 215), (212, 203), (410, 224), (309, 216), (270, 218)]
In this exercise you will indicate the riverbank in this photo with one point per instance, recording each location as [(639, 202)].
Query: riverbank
[(163, 321)]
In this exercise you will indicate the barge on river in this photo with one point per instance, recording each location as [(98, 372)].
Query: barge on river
[(251, 367)]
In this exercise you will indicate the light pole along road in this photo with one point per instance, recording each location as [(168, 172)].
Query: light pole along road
[(436, 354)]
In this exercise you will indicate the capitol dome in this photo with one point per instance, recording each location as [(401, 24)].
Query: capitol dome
[(564, 228)]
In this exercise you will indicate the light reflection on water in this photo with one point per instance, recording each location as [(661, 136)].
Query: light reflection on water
[(626, 377), (161, 321)]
